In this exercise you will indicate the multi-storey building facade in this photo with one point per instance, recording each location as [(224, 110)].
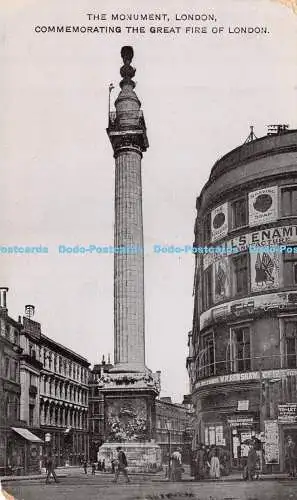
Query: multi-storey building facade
[(64, 401), (96, 408), (19, 448), (30, 368), (10, 388), (173, 428), (243, 345)]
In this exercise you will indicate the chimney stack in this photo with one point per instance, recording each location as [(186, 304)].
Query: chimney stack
[(3, 293), (29, 311)]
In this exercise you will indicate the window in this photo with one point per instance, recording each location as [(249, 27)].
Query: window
[(206, 356), (240, 274), (16, 408), (240, 349), (239, 213), (16, 337), (207, 228), (207, 288), (213, 434), (290, 269), (7, 332), (289, 201), (14, 370), (291, 344), (32, 350), (55, 363), (31, 415), (6, 369), (96, 408)]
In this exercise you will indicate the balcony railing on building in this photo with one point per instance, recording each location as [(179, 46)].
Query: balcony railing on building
[(240, 365)]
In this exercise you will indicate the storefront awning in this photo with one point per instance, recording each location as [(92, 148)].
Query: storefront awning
[(26, 434)]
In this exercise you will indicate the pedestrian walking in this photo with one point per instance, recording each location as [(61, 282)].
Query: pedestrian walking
[(200, 463), (50, 469), (85, 466), (290, 457), (176, 465), (93, 469), (103, 465), (122, 465), (215, 468), (251, 465), (112, 462)]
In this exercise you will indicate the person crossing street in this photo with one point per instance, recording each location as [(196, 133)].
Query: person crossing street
[(121, 465)]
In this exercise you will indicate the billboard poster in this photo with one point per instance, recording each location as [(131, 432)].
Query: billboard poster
[(219, 222), (265, 269), (287, 413), (221, 281), (271, 446), (263, 206)]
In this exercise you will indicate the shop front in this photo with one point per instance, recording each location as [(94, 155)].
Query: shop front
[(232, 437), (287, 422), (23, 450), (242, 429)]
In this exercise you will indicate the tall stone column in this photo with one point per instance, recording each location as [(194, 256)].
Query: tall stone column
[(129, 389), (127, 133)]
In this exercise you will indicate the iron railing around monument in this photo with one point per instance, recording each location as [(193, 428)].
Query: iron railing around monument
[(134, 116)]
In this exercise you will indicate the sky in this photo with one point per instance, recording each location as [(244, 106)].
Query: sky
[(199, 93)]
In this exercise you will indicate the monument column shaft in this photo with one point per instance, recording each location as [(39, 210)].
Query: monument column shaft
[(129, 266)]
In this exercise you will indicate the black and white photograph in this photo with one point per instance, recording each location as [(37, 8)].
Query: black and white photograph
[(148, 249)]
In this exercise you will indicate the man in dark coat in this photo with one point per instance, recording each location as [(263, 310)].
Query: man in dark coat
[(122, 465), (251, 463), (200, 463), (290, 456), (50, 468)]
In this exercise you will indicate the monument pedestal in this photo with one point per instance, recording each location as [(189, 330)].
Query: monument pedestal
[(130, 418)]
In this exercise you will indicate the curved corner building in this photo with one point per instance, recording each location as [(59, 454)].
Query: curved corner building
[(243, 345)]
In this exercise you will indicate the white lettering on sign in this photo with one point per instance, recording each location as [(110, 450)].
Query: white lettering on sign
[(240, 421), (238, 377), (263, 206), (264, 302), (283, 235), (271, 445)]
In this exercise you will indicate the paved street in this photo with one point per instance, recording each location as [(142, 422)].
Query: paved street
[(81, 487)]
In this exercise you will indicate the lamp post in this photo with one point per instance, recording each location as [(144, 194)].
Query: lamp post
[(263, 401), (168, 428), (48, 444), (261, 396)]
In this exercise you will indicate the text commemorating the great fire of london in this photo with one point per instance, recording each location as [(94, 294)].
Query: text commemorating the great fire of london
[(154, 24)]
